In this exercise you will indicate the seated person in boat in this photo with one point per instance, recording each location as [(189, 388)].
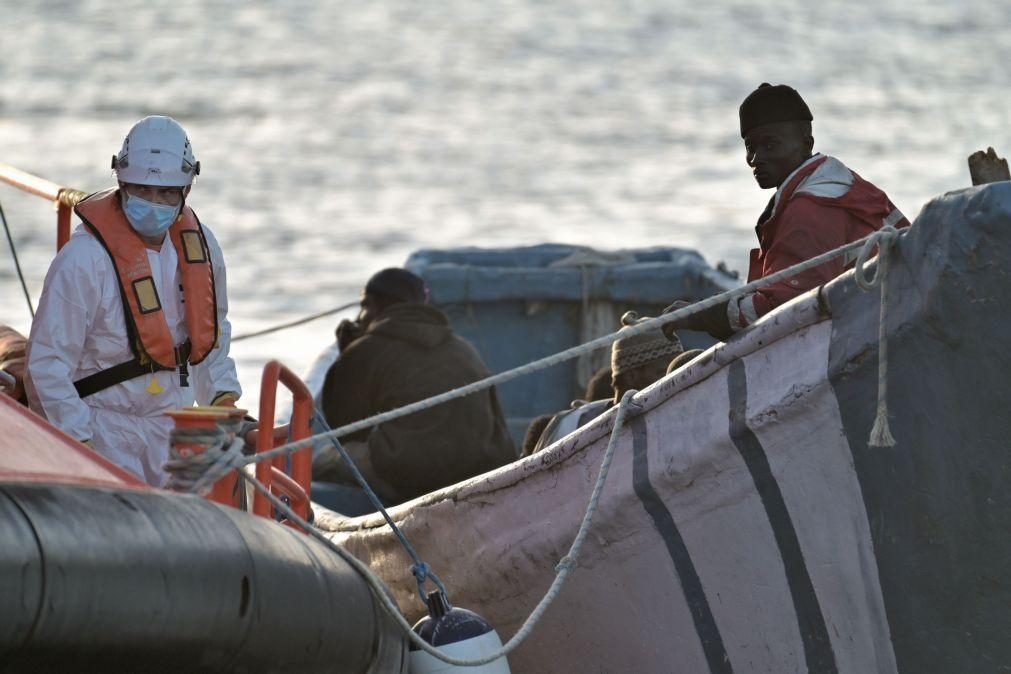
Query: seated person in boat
[(114, 345), (819, 205), (636, 362), (12, 362), (399, 351)]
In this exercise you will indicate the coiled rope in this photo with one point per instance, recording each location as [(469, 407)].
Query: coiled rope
[(866, 244), (221, 450), (565, 566)]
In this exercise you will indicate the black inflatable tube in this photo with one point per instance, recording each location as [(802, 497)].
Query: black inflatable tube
[(136, 581)]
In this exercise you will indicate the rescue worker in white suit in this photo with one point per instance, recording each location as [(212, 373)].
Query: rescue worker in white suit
[(133, 315)]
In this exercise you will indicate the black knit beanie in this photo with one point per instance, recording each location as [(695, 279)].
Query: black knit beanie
[(768, 104), (398, 284)]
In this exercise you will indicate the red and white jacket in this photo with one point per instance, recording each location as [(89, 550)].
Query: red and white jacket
[(820, 206)]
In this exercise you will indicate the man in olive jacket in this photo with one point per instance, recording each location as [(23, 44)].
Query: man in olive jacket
[(399, 351)]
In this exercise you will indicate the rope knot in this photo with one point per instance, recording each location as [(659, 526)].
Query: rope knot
[(420, 570), (881, 240), (423, 573), (566, 563)]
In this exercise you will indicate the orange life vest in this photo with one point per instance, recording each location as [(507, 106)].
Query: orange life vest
[(150, 337)]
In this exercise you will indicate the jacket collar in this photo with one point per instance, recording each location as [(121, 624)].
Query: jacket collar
[(787, 186)]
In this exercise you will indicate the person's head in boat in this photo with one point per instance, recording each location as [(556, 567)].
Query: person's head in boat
[(386, 288), (776, 128), (641, 359), (683, 359), (599, 386), (155, 169)]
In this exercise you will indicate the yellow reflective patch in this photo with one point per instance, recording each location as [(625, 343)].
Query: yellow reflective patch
[(193, 247), (147, 295)]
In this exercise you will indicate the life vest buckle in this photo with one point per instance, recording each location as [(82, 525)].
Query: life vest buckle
[(182, 353)]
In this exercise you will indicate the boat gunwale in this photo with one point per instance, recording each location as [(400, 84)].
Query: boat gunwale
[(802, 312)]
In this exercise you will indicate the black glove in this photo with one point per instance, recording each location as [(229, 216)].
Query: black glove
[(713, 320)]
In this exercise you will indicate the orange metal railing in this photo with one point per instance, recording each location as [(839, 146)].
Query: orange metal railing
[(296, 485), (64, 198)]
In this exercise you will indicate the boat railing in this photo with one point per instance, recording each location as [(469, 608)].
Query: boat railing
[(63, 198), (296, 484)]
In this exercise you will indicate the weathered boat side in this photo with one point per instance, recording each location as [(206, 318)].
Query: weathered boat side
[(939, 506), (746, 526)]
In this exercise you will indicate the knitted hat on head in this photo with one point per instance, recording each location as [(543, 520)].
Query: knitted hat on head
[(768, 104), (630, 352), (398, 284)]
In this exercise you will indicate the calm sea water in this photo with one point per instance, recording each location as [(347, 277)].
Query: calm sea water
[(337, 137)]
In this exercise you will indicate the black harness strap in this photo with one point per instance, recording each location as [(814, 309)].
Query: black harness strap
[(131, 369)]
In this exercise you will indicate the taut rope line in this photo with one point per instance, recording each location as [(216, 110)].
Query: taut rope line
[(292, 324), (17, 264), (868, 243)]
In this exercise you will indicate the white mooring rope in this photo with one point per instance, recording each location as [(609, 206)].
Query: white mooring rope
[(565, 566), (222, 460), (884, 238)]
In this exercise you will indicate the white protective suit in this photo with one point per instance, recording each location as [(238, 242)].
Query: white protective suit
[(79, 329)]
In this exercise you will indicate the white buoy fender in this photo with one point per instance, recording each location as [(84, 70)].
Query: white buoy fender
[(458, 633), (475, 647)]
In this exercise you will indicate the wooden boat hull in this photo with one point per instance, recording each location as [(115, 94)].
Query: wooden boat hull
[(746, 525)]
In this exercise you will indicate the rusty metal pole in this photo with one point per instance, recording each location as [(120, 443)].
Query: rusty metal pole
[(62, 225), (65, 198)]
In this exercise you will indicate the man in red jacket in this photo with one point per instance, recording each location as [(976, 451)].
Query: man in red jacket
[(819, 205)]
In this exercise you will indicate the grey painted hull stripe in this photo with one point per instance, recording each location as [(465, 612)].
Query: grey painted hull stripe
[(817, 647), (695, 596)]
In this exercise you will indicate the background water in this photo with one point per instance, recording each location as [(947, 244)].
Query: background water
[(335, 138)]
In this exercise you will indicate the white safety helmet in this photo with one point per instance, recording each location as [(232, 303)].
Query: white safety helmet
[(156, 152)]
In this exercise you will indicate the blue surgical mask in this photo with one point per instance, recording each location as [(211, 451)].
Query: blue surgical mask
[(149, 219)]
